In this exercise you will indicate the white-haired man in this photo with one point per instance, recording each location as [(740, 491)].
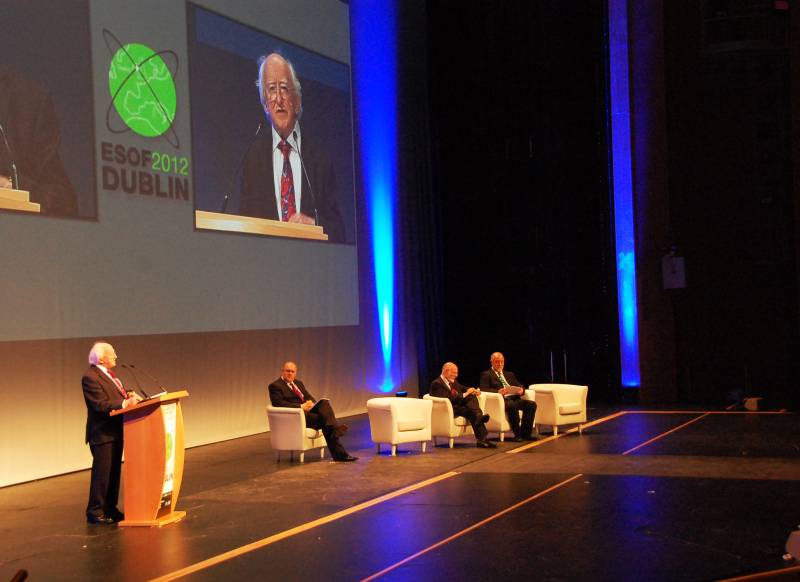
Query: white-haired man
[(285, 177), (104, 393), (465, 402)]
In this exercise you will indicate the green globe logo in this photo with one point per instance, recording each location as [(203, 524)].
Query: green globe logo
[(142, 90)]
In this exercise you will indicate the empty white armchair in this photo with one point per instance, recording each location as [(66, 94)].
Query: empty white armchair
[(495, 407), (560, 404), (288, 432), (443, 424), (395, 420)]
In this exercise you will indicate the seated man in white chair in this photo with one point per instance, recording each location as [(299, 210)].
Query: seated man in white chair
[(464, 401), (506, 384), (289, 392)]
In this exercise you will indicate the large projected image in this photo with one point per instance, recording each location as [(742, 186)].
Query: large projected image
[(158, 121), (272, 133)]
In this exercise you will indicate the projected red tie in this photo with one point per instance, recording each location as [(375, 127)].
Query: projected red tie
[(287, 184), (297, 391)]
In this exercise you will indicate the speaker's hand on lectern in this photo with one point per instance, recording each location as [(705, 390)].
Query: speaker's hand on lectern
[(5, 182), (132, 400)]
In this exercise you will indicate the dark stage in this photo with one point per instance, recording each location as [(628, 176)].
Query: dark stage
[(640, 495)]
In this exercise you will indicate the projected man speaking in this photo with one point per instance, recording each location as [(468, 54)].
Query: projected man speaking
[(286, 176)]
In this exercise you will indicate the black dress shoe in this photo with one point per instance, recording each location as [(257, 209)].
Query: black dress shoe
[(100, 519), (531, 437), (346, 459), (116, 515), (339, 430), (486, 445), (517, 439), (485, 418)]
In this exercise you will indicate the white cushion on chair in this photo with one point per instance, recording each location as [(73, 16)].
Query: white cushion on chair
[(576, 408), (418, 423)]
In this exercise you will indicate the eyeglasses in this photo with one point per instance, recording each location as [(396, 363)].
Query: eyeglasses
[(274, 90)]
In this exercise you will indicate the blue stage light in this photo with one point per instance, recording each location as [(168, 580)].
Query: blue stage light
[(620, 121), (373, 38)]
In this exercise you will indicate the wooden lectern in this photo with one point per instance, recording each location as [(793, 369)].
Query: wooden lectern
[(17, 200), (153, 467)]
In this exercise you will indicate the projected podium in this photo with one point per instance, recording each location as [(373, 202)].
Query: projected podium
[(153, 467), (205, 220), (17, 200)]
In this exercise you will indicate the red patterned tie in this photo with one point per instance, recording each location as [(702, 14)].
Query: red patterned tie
[(118, 383), (287, 184), (297, 391)]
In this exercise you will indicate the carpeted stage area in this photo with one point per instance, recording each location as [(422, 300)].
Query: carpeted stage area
[(640, 495)]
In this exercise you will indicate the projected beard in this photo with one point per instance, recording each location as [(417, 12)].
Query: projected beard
[(312, 178)]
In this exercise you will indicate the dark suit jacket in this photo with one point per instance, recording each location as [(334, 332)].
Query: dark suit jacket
[(257, 196), (490, 380), (31, 125), (101, 396), (439, 389), (280, 394)]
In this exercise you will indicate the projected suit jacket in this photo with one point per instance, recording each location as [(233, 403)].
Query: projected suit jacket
[(258, 186), (280, 394), (30, 122), (101, 396)]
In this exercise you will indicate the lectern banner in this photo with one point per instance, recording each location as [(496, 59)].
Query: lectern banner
[(170, 414)]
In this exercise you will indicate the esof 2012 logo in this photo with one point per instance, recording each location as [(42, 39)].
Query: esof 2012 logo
[(141, 87)]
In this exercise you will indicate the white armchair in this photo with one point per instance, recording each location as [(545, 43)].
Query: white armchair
[(288, 432), (443, 424), (560, 404), (395, 420)]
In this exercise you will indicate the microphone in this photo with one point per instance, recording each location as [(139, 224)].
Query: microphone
[(305, 173), (239, 167), (14, 175), (153, 378), (135, 379)]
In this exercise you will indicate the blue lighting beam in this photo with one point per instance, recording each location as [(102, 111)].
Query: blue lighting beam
[(373, 37), (622, 185)]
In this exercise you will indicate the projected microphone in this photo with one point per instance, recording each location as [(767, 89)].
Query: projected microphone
[(239, 167), (308, 181), (14, 175), (135, 379)]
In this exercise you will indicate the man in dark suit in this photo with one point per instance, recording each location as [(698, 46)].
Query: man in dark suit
[(464, 400), (103, 393), (285, 177), (505, 383), (289, 392), (30, 160)]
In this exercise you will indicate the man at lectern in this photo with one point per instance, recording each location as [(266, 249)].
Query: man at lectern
[(29, 142), (103, 393), (286, 176), (289, 392)]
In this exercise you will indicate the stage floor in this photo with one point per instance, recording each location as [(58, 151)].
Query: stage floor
[(640, 495)]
